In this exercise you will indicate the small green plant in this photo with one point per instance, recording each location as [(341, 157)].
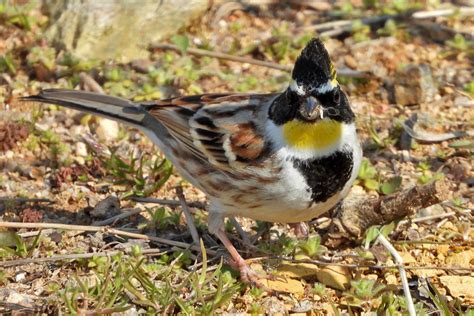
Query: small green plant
[(426, 174), (469, 88), (365, 289), (368, 176), (7, 64), (17, 15), (43, 55), (311, 248), (161, 218), (393, 305), (12, 244), (458, 42), (283, 245), (392, 185), (319, 289), (360, 31), (142, 176), (58, 150), (181, 41), (374, 231), (3, 277), (390, 28)]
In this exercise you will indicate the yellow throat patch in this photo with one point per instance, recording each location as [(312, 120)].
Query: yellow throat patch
[(317, 135)]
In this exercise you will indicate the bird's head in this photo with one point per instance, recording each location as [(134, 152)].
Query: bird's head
[(313, 106)]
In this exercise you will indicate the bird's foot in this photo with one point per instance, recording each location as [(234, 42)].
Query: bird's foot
[(300, 229)]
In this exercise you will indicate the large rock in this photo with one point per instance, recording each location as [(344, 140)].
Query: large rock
[(121, 30)]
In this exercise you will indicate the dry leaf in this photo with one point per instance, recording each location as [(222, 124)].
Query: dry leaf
[(335, 277)]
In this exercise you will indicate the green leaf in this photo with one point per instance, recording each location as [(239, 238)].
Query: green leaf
[(464, 143), (370, 235), (9, 239), (391, 186), (387, 229), (371, 184), (182, 41)]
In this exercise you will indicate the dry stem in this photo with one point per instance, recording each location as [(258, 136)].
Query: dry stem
[(357, 214)]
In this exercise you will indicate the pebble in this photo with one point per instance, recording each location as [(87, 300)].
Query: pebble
[(81, 149), (107, 130), (414, 85), (463, 101), (106, 208)]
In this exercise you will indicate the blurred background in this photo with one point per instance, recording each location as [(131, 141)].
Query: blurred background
[(407, 67)]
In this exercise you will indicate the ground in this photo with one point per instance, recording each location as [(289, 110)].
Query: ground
[(60, 166)]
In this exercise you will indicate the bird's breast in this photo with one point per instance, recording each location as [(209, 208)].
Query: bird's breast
[(326, 176)]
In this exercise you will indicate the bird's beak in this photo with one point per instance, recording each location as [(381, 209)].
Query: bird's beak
[(312, 109)]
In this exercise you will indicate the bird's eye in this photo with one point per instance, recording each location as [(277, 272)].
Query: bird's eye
[(336, 97)]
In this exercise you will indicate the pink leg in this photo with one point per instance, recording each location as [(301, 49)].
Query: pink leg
[(301, 229), (246, 273)]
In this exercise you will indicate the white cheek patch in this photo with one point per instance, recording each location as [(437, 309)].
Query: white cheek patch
[(296, 88), (322, 89), (326, 87)]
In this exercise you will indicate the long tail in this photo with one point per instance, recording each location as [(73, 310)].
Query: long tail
[(110, 107)]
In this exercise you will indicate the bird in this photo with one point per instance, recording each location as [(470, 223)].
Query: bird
[(284, 157)]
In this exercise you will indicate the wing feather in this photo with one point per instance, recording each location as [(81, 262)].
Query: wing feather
[(217, 128)]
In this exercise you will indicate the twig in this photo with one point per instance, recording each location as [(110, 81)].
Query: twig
[(89, 83), (196, 204), (20, 262), (403, 276), (427, 218), (241, 231), (336, 28), (6, 199), (358, 213), (106, 230), (207, 53), (118, 217), (362, 266), (35, 233), (466, 11), (428, 137), (188, 216)]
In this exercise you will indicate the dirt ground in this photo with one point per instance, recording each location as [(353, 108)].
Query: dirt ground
[(410, 83)]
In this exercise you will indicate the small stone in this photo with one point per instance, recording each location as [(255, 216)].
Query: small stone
[(335, 277), (20, 277), (407, 257), (81, 149), (350, 62), (302, 307), (141, 65), (462, 259), (391, 279), (273, 306), (287, 285), (463, 101), (107, 130), (80, 161), (297, 270), (414, 85), (459, 286), (106, 208)]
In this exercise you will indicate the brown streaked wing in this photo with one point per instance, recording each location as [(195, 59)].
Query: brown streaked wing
[(176, 113)]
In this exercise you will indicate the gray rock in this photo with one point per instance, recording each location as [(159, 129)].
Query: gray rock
[(414, 85), (116, 29), (106, 208)]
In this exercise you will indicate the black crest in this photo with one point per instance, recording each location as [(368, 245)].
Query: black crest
[(313, 67)]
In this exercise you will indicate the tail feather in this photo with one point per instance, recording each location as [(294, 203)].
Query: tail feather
[(103, 105)]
